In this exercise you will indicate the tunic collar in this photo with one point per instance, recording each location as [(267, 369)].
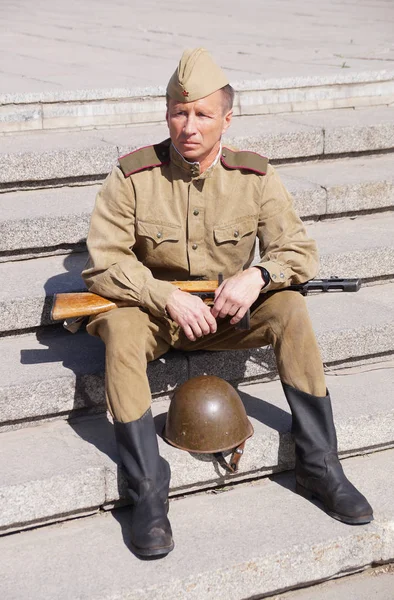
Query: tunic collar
[(192, 168)]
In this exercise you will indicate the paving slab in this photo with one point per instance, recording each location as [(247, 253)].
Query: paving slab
[(355, 246), (90, 45), (367, 130), (376, 584), (37, 280), (350, 247), (55, 474), (46, 218), (282, 541), (43, 156), (53, 372), (351, 184)]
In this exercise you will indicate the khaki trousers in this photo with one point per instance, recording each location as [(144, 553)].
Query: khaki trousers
[(133, 337)]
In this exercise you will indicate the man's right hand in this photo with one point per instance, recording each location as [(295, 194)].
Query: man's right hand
[(191, 314)]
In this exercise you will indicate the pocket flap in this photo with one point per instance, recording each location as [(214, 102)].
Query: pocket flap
[(235, 231), (159, 232)]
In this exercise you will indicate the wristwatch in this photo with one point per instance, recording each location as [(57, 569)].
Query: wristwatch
[(264, 274)]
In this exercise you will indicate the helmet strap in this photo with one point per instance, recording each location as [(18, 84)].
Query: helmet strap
[(232, 466)]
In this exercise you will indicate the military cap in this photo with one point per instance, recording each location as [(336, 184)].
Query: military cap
[(196, 76)]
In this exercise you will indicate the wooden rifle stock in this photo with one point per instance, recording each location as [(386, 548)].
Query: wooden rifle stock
[(84, 304), (79, 304)]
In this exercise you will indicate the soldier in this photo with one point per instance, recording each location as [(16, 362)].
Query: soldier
[(189, 207)]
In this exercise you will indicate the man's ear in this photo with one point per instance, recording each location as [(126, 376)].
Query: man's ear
[(227, 120), (167, 115)]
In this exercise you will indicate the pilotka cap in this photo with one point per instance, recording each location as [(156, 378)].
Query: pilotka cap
[(196, 76)]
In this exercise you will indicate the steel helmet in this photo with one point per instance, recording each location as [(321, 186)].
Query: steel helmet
[(206, 415)]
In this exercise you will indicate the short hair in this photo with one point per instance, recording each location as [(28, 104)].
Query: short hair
[(228, 97)]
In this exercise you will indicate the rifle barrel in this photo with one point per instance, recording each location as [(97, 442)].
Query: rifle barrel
[(333, 284)]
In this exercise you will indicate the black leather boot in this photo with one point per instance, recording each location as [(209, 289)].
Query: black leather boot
[(148, 477), (319, 473)]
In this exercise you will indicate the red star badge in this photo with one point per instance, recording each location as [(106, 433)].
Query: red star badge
[(185, 93)]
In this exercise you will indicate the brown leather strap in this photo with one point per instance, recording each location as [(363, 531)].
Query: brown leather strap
[(236, 456), (232, 466)]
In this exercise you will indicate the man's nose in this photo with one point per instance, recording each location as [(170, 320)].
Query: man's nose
[(190, 125)]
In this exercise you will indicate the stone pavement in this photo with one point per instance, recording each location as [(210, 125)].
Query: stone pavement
[(49, 46), (374, 584)]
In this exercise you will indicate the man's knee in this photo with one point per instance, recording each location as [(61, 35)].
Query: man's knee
[(120, 327), (291, 306), (287, 312)]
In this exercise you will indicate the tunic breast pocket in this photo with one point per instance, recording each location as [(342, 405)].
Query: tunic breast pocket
[(157, 244), (234, 245), (159, 232), (235, 232)]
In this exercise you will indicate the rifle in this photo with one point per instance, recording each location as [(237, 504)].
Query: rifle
[(84, 304)]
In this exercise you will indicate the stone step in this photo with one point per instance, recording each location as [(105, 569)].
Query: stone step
[(53, 373), (251, 540), (40, 158), (351, 247), (339, 186), (51, 221), (71, 468), (82, 109), (376, 583), (45, 222)]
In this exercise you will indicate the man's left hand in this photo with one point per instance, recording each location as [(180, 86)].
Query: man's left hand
[(237, 294)]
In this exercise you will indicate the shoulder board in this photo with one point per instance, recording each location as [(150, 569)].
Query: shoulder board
[(145, 158), (248, 161)]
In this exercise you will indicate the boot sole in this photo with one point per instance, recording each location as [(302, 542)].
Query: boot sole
[(309, 495), (151, 552)]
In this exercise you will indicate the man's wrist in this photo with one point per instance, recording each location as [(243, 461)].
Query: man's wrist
[(265, 276)]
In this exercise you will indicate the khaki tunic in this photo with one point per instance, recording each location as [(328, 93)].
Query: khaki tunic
[(170, 222)]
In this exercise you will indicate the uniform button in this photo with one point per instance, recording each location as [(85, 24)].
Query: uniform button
[(194, 246), (282, 275), (236, 233), (159, 234), (273, 276), (224, 154), (196, 212)]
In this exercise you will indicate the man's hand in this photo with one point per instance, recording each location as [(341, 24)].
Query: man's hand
[(191, 314), (237, 294)]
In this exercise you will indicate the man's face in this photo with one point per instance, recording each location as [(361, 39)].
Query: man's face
[(196, 127)]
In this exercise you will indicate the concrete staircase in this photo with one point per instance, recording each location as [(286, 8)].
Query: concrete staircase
[(254, 536)]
